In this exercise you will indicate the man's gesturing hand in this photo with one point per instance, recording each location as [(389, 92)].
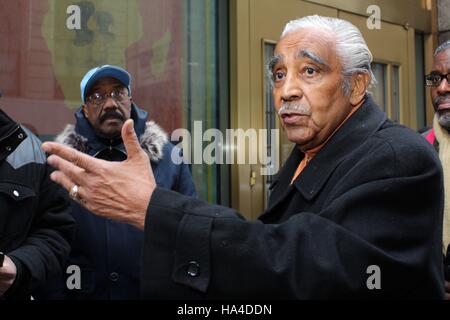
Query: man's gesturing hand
[(117, 190), (8, 273)]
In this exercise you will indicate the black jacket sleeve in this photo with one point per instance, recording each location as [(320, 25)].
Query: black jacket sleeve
[(48, 243), (385, 211)]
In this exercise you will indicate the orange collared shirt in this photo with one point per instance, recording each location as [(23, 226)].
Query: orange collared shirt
[(312, 152)]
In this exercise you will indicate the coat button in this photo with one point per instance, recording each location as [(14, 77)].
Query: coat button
[(20, 136), (16, 193), (8, 148), (114, 276), (193, 269)]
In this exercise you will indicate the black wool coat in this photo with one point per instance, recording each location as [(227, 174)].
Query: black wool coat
[(363, 220)]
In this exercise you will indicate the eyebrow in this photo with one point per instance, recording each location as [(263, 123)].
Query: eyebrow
[(273, 61), (302, 53)]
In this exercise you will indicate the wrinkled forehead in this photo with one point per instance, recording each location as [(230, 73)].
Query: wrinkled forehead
[(442, 61), (320, 44)]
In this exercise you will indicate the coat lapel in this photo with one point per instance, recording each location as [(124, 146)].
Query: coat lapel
[(362, 124)]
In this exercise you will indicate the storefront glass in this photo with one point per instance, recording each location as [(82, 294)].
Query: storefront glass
[(175, 50)]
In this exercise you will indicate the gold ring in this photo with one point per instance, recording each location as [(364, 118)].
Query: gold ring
[(74, 193)]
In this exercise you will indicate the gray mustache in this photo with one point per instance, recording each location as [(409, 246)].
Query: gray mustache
[(441, 99), (288, 107)]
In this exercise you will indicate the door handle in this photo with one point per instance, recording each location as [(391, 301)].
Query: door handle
[(252, 178)]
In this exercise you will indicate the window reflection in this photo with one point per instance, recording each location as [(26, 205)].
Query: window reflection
[(170, 47), (379, 91), (395, 93)]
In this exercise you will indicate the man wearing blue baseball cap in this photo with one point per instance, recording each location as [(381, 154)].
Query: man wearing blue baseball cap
[(108, 253), (105, 115)]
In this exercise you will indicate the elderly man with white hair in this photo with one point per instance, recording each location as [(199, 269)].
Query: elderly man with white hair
[(355, 212)]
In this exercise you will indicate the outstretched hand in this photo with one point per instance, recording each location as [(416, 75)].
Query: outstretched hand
[(116, 190), (8, 273)]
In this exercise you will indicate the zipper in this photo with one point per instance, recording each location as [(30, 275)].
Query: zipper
[(110, 148)]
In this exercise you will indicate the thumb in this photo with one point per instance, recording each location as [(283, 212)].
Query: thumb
[(130, 139)]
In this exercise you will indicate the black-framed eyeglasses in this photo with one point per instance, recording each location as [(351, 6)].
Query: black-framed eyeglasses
[(434, 79), (119, 95)]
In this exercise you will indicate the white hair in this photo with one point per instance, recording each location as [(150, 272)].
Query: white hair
[(442, 47), (351, 48)]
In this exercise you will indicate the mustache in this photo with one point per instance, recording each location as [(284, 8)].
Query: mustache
[(111, 115), (441, 99), (289, 107)]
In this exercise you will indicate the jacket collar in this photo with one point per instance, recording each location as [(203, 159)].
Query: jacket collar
[(361, 125), (11, 135), (7, 125), (83, 138)]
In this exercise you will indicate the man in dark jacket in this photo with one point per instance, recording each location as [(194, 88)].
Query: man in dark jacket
[(35, 224), (439, 136), (355, 212), (108, 252)]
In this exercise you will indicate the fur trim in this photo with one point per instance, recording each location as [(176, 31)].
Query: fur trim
[(152, 140), (70, 138)]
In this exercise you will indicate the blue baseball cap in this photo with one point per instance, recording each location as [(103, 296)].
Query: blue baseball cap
[(95, 74)]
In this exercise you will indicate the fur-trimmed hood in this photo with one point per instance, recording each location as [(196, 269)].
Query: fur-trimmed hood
[(152, 140)]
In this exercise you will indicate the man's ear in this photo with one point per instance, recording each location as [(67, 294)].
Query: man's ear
[(85, 111), (360, 82)]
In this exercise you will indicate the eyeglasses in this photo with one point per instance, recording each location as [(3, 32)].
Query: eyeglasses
[(434, 79), (99, 99)]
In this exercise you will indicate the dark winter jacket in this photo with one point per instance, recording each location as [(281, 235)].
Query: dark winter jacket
[(108, 252), (35, 224)]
